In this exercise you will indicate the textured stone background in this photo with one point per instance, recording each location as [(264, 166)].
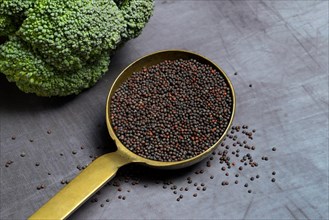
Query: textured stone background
[(280, 47)]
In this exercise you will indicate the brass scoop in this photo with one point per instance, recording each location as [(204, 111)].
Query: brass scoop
[(104, 168)]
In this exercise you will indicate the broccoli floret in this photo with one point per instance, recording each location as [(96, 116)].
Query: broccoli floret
[(32, 75), (58, 48), (15, 7), (69, 33), (136, 14)]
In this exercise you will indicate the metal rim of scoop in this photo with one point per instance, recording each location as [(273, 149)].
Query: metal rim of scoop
[(146, 61)]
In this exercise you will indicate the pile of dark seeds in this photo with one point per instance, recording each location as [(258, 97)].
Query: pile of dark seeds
[(172, 111)]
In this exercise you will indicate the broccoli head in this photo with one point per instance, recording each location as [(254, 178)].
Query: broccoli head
[(33, 75), (63, 47)]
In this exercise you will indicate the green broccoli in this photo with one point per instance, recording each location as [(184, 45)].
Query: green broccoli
[(32, 74), (63, 47), (15, 7)]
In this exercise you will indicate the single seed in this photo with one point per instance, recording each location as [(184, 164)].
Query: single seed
[(211, 177), (273, 180), (22, 154), (246, 185), (102, 205), (252, 178), (13, 137), (37, 164), (107, 200), (274, 149), (249, 191), (195, 195), (236, 182), (74, 152), (257, 176), (273, 173)]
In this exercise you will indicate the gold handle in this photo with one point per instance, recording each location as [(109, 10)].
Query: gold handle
[(66, 201)]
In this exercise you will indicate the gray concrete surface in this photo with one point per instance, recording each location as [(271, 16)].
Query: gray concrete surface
[(280, 47)]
